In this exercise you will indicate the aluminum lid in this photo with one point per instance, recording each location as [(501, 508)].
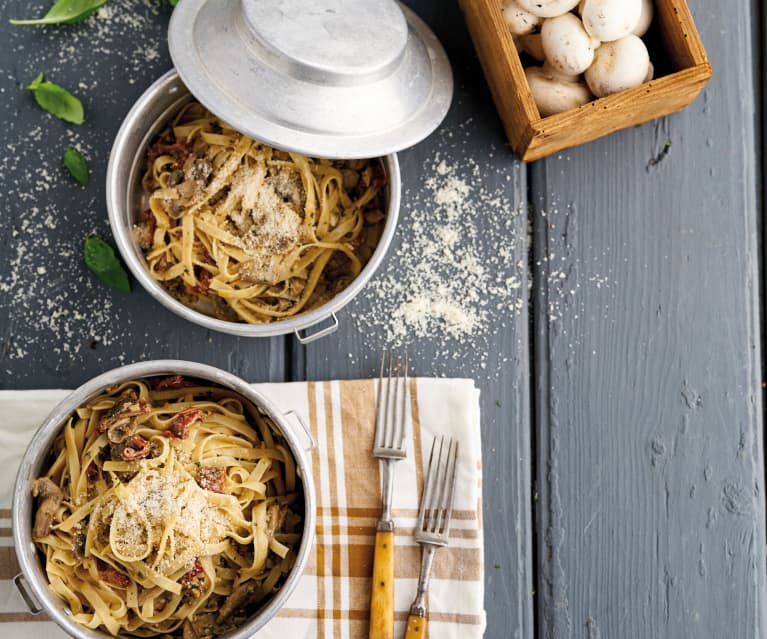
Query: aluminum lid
[(327, 78)]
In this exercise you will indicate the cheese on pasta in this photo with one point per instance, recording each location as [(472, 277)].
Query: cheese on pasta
[(167, 505), (243, 231)]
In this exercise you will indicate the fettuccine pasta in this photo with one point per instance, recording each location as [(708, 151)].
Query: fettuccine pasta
[(169, 507), (245, 232)]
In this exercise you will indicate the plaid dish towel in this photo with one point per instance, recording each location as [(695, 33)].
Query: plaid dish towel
[(332, 597)]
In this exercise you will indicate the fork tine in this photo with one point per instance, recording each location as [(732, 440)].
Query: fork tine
[(382, 427), (391, 404), (391, 423), (379, 404), (400, 439), (446, 504), (439, 488), (442, 478), (427, 490), (453, 475), (436, 493)]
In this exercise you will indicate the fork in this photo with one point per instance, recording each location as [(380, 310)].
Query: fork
[(433, 524), (388, 448)]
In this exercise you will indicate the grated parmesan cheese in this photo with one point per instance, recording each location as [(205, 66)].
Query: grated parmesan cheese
[(262, 208), (456, 277), (156, 499)]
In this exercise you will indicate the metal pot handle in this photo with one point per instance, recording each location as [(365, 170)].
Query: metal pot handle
[(304, 426), (19, 581), (328, 330)]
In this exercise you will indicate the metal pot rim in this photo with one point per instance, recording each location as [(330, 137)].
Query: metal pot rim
[(117, 206), (21, 511)]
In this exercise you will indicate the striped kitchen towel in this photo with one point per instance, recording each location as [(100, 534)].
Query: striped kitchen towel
[(332, 598)]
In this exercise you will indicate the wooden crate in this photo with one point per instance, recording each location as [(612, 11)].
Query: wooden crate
[(533, 137)]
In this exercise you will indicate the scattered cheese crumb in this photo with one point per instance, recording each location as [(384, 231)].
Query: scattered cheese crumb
[(458, 270)]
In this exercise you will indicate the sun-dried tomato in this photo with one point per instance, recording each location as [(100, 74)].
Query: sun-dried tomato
[(172, 383), (211, 478), (203, 279), (179, 426), (114, 577), (191, 574), (379, 176)]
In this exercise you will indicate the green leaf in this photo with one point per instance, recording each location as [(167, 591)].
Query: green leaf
[(173, 3), (101, 259), (57, 100), (77, 165), (66, 12)]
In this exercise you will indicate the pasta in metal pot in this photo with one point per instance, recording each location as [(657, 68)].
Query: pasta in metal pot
[(169, 507), (248, 233)]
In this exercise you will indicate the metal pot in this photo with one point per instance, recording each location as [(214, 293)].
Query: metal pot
[(126, 165), (33, 583)]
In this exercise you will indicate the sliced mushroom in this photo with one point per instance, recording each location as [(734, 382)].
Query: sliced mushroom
[(200, 626), (120, 421), (49, 497), (620, 65), (131, 449), (173, 209), (201, 169), (187, 189), (240, 597)]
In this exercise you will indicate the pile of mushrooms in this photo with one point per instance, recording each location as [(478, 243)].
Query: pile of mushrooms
[(588, 48)]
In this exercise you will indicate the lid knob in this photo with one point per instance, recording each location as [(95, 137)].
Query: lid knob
[(341, 42)]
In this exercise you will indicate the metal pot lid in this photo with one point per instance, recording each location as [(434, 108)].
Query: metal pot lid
[(328, 78)]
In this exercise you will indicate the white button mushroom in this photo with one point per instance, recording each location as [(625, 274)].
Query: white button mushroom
[(566, 45), (520, 21), (553, 94), (623, 64), (645, 19), (609, 20), (553, 72), (531, 44), (547, 8), (650, 72)]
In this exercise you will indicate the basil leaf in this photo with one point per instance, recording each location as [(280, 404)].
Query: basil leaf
[(101, 259), (173, 3), (78, 167), (57, 100), (66, 12)]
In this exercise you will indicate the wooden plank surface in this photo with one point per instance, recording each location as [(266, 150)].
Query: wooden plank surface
[(61, 327), (467, 152), (649, 442), (650, 456), (58, 325)]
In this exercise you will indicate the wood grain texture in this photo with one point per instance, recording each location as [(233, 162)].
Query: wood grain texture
[(650, 446), (615, 112), (59, 326), (382, 588), (503, 69), (533, 137), (497, 358), (416, 627)]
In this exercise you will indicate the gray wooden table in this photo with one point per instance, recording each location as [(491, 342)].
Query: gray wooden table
[(622, 408)]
